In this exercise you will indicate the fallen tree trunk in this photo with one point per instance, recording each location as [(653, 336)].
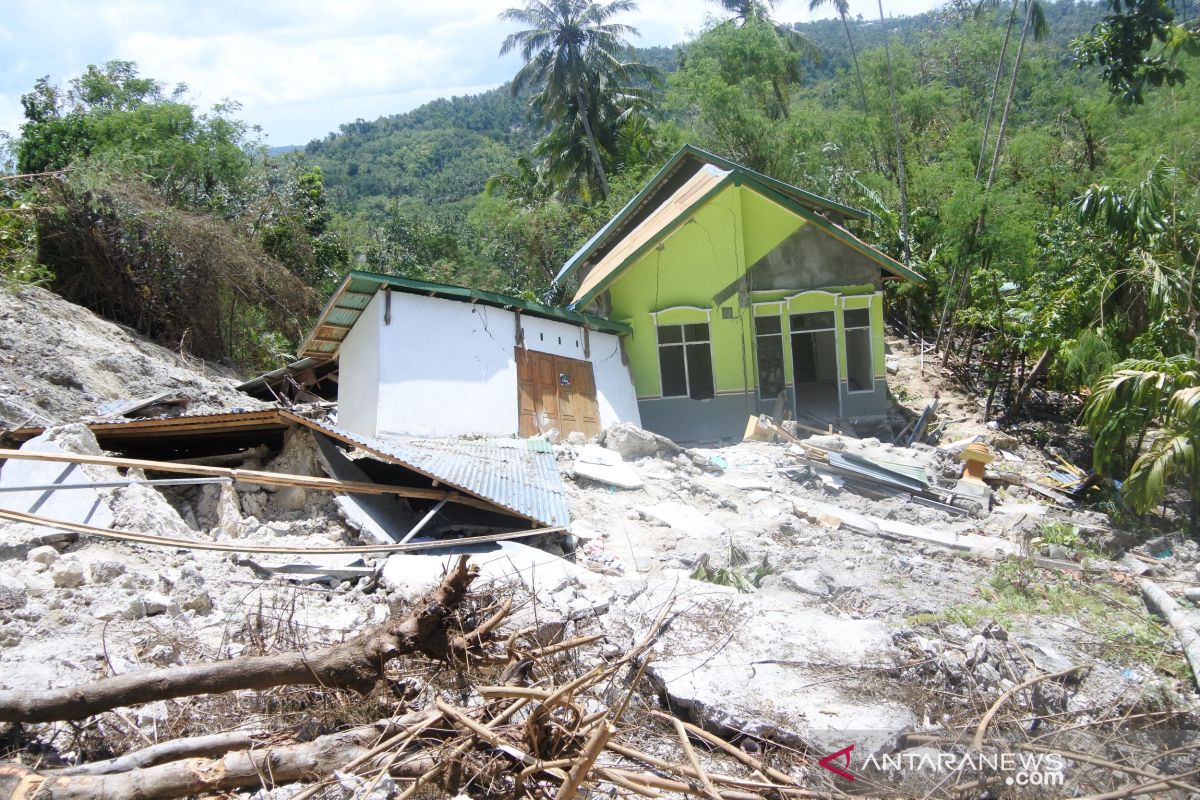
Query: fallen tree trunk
[(354, 664), (210, 746), (1183, 623), (267, 767)]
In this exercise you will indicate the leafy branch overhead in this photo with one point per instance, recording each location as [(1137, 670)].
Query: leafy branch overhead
[(1138, 46)]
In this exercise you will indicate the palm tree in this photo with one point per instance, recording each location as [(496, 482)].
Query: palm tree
[(572, 52), (842, 7), (1158, 402), (758, 12), (744, 10), (1153, 403)]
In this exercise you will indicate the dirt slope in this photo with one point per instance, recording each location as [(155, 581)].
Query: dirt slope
[(60, 362)]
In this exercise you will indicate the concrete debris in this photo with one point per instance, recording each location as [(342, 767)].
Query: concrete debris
[(840, 633), (630, 442), (721, 658), (606, 466), (683, 519), (808, 581)]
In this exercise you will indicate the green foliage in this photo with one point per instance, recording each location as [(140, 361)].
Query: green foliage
[(1153, 405), (1060, 533), (1137, 47), (739, 574), (581, 84), (132, 124), (1086, 359), (18, 242), (166, 219)]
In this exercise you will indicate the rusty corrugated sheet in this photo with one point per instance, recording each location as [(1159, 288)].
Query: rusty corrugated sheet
[(519, 475)]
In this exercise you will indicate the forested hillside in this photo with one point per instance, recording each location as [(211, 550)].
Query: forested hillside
[(1038, 162)]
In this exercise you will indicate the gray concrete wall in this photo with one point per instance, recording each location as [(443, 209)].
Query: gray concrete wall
[(808, 259), (864, 404), (690, 421)]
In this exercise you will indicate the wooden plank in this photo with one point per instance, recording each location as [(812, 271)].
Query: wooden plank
[(243, 546), (252, 476), (526, 401), (189, 424)]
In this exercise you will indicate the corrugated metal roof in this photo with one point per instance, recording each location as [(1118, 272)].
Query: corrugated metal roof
[(357, 288), (274, 375), (520, 475), (517, 475)]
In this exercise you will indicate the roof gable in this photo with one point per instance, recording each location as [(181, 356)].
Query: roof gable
[(679, 207), (681, 167)]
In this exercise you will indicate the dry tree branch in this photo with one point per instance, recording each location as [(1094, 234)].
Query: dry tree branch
[(354, 664)]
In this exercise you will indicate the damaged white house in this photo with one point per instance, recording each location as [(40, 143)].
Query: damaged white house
[(427, 359)]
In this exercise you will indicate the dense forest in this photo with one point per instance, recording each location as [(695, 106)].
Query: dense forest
[(1038, 161)]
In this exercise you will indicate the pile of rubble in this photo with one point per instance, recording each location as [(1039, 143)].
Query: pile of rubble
[(713, 622)]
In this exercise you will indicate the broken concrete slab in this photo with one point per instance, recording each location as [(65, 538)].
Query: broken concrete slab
[(726, 652), (746, 482), (808, 581), (87, 506), (383, 519), (630, 441), (567, 589), (606, 466), (684, 519)]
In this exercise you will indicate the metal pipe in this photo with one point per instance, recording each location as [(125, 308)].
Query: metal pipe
[(424, 521), (45, 487)]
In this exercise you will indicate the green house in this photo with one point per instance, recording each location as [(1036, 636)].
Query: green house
[(745, 295)]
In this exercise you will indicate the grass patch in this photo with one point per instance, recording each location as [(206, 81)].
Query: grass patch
[(1113, 620)]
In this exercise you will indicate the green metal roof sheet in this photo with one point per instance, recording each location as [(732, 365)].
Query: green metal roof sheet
[(357, 288)]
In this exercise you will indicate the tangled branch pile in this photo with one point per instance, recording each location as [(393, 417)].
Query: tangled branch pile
[(512, 715), (177, 276)]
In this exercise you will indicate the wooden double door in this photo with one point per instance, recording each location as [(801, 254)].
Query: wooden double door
[(554, 392)]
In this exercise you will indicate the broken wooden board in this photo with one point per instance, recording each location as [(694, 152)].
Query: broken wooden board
[(962, 539)]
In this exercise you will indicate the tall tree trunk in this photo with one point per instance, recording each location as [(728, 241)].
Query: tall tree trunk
[(591, 139), (900, 177), (862, 92), (1012, 90), (991, 110)]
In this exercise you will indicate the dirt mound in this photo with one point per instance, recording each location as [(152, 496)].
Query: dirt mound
[(60, 362)]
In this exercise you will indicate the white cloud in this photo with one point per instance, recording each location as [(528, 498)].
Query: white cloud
[(302, 67)]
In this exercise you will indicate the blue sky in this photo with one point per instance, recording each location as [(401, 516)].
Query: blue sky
[(302, 67)]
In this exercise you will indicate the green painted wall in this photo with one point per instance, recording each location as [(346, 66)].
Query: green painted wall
[(734, 229)]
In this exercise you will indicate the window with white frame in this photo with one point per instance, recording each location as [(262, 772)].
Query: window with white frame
[(768, 340), (860, 369), (685, 361)]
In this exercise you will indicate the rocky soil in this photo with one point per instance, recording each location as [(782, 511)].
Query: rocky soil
[(803, 616), (60, 362)]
